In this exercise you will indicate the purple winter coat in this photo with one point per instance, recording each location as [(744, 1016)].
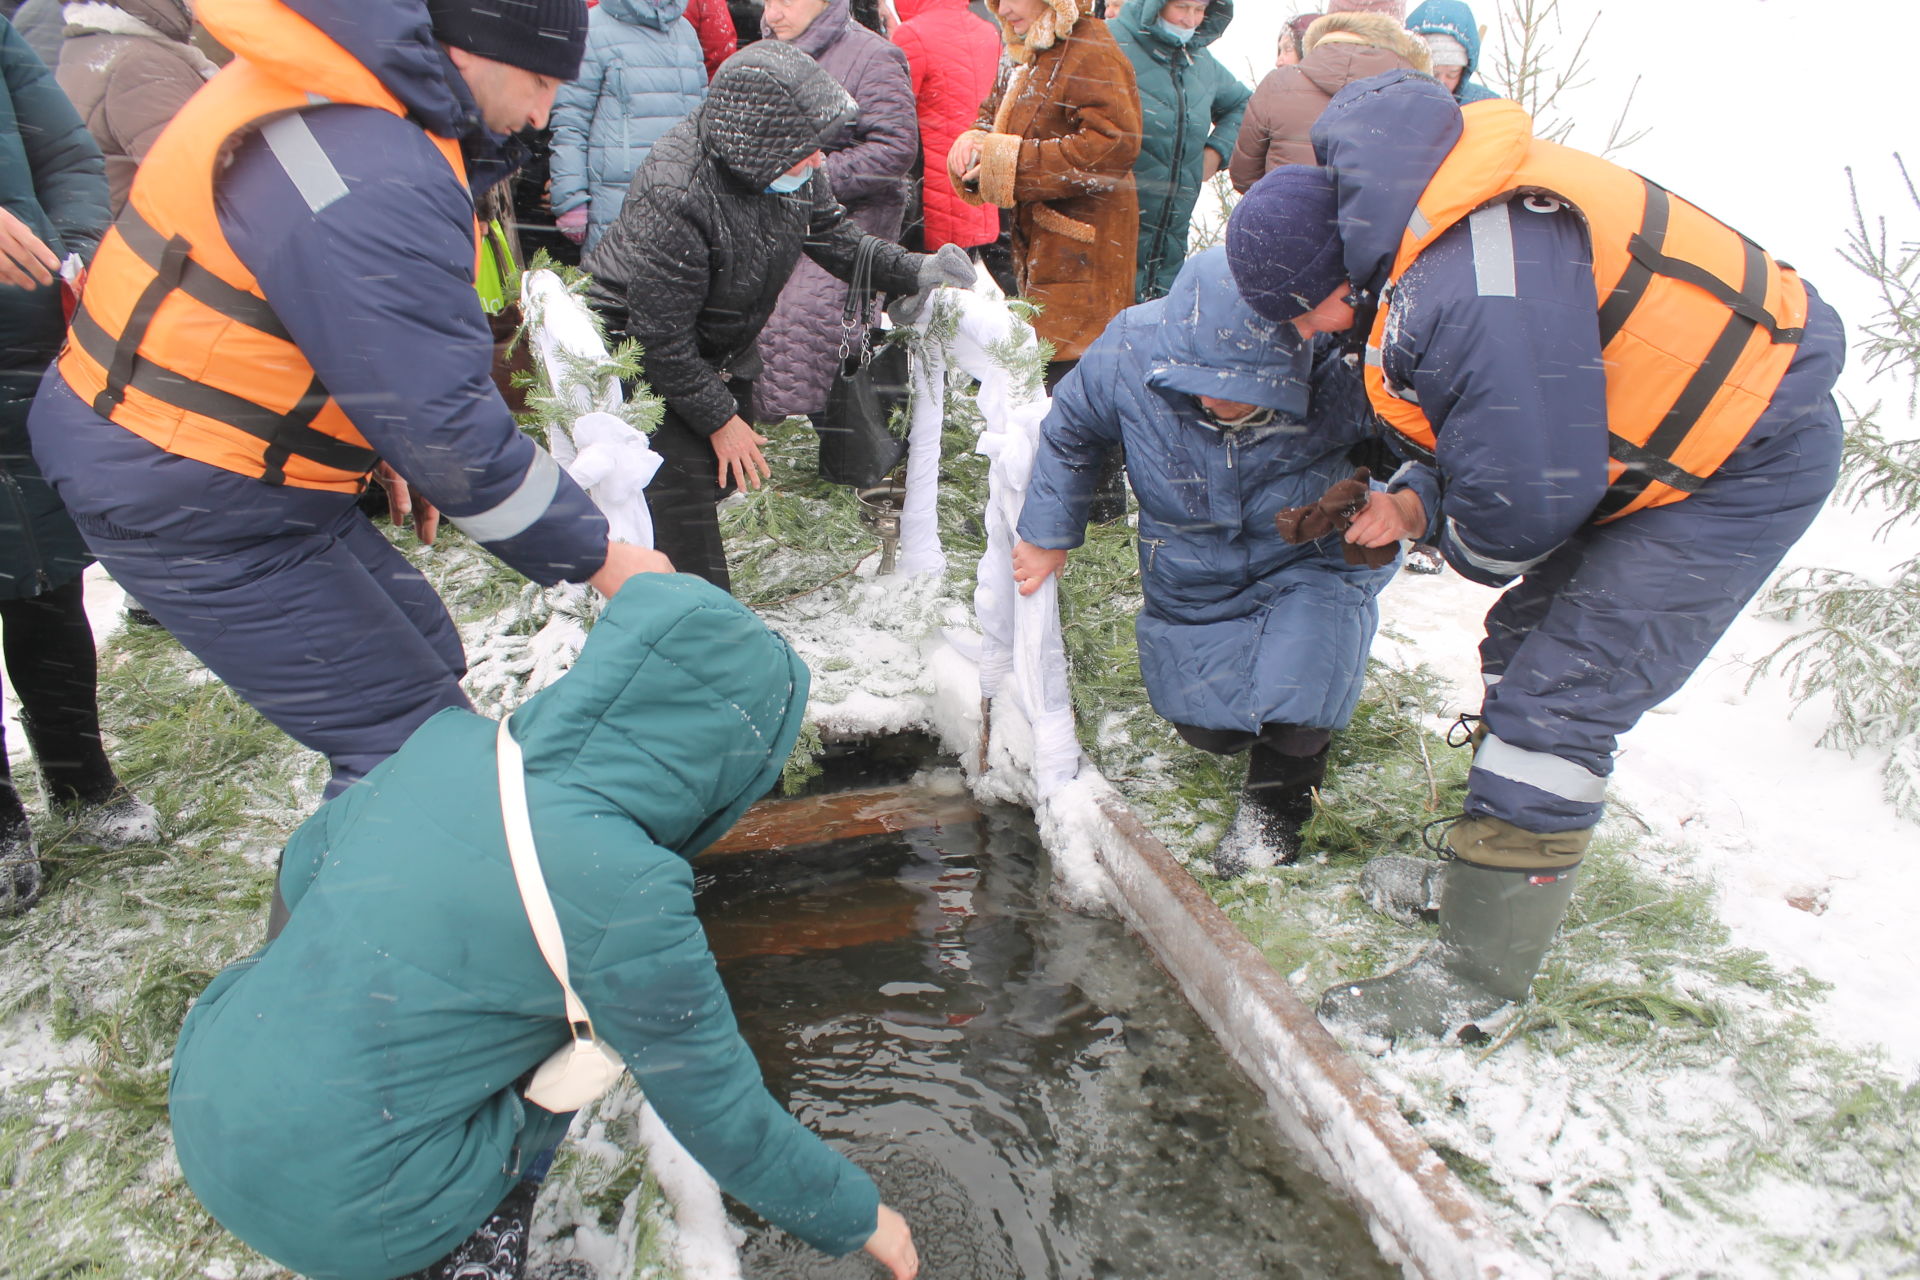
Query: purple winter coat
[(867, 165)]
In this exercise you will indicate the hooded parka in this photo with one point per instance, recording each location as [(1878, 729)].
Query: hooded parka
[(1057, 142), (1494, 331), (1238, 629), (128, 68), (954, 58), (1454, 18), (692, 268), (867, 165), (642, 74), (345, 1100), (347, 239), (51, 179), (1339, 49), (1188, 103)]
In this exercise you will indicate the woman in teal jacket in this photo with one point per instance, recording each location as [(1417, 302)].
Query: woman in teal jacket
[(346, 1100), (1190, 107)]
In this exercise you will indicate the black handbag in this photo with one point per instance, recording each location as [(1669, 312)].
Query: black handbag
[(872, 380)]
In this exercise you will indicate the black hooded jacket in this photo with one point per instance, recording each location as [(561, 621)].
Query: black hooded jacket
[(701, 250)]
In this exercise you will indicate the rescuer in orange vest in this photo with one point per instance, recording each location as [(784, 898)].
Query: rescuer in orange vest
[(1608, 399), (286, 303)]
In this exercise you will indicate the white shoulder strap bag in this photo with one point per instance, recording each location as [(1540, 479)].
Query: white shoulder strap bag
[(587, 1067)]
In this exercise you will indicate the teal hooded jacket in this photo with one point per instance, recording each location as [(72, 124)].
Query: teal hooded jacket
[(344, 1100), (1188, 102)]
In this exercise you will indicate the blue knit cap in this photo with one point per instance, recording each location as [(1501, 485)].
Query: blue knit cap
[(1283, 242)]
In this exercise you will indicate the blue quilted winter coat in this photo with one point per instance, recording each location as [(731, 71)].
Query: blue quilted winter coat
[(1239, 629), (642, 75)]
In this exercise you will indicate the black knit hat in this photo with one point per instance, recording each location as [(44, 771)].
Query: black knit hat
[(546, 37)]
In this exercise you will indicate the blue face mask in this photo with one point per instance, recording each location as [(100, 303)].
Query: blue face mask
[(1177, 34), (788, 183)]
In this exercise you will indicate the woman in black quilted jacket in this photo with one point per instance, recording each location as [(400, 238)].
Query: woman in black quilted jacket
[(713, 225)]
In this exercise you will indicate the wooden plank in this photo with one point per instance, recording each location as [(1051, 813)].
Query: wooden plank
[(845, 815), (1322, 1101)]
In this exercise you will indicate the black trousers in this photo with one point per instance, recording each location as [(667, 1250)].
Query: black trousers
[(1281, 739), (684, 495), (48, 647)]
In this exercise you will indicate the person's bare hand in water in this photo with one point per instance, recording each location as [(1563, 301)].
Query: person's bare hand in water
[(891, 1244)]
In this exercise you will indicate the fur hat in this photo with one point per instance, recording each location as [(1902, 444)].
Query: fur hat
[(1283, 242), (1395, 9), (546, 37), (1054, 21)]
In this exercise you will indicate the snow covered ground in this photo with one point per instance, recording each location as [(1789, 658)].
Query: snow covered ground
[(1810, 865)]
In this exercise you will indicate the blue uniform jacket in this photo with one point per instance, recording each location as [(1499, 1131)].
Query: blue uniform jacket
[(371, 271), (1494, 329), (1239, 629)]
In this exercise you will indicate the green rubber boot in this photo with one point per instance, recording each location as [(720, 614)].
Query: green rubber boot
[(1497, 920)]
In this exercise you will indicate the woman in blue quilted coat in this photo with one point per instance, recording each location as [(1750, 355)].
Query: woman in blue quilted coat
[(1247, 642), (642, 75)]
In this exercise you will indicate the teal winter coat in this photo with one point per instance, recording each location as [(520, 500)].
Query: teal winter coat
[(53, 180), (1188, 102), (1454, 18), (344, 1100)]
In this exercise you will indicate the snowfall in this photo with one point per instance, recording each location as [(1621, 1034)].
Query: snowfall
[(1809, 863)]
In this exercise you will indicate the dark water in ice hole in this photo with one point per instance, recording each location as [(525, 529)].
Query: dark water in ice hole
[(1025, 1085)]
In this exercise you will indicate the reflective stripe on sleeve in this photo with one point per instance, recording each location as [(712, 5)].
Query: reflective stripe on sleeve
[(522, 507), (1492, 232), (1542, 772), (1505, 568), (299, 153)]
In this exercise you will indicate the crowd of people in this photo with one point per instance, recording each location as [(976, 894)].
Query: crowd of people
[(233, 298)]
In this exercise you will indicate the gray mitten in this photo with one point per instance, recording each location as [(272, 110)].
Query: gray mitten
[(949, 267)]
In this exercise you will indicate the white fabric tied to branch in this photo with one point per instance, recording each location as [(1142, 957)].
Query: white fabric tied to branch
[(603, 453), (1021, 652), (614, 465)]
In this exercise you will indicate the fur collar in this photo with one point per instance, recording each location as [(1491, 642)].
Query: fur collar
[(97, 15), (1376, 29)]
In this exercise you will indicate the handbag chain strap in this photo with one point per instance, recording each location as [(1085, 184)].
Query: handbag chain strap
[(526, 873), (853, 315)]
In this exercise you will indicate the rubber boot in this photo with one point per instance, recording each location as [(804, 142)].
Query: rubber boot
[(1496, 923), (1403, 889), (1275, 803)]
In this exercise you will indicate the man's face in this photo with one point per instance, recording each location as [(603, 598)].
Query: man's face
[(510, 98), (1333, 315), (1020, 14), (1449, 76), (787, 19), (1184, 13)]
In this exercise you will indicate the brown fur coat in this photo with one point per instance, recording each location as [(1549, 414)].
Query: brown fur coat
[(1056, 144)]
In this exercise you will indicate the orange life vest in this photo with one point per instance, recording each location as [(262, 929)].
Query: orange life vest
[(173, 339), (1697, 323)]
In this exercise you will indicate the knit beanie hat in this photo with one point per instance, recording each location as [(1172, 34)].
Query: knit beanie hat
[(1395, 9), (546, 37), (1446, 51), (1283, 242)]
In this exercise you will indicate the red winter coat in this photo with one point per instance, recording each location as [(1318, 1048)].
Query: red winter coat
[(713, 22), (954, 58)]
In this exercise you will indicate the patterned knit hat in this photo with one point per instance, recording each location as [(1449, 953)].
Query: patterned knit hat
[(546, 37), (1395, 9), (1446, 51)]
